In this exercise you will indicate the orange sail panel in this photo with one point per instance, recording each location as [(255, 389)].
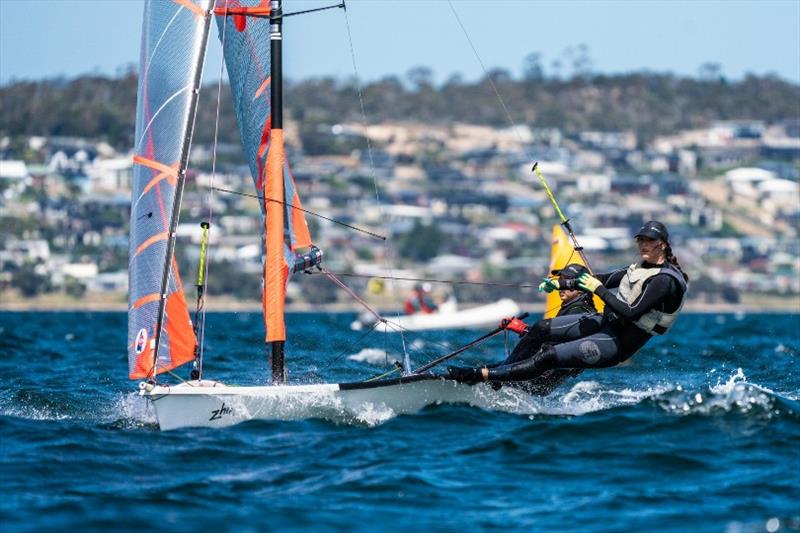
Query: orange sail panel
[(562, 254), (276, 269)]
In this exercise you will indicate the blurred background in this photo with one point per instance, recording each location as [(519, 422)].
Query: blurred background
[(685, 112)]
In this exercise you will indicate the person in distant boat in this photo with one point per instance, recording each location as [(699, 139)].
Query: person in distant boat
[(420, 301), (650, 294)]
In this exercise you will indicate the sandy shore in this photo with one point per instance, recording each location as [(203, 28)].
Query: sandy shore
[(755, 303)]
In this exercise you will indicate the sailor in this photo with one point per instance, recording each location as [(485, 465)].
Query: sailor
[(419, 301), (648, 298), (574, 301)]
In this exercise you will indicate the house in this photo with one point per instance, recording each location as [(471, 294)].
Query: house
[(106, 175)]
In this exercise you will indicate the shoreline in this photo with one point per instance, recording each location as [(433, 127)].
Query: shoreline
[(61, 304)]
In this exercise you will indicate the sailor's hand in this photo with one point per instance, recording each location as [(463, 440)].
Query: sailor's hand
[(548, 285), (514, 324), (588, 282)]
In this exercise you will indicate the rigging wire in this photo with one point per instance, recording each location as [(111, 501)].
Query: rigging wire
[(564, 220), (210, 201), (312, 213), (437, 280), (502, 102), (365, 124)]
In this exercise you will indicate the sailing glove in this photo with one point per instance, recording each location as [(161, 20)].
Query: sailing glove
[(548, 285), (588, 283), (514, 324)]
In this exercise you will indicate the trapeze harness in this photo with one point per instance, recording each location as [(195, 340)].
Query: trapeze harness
[(647, 302)]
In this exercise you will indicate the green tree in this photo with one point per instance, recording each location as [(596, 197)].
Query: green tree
[(422, 242)]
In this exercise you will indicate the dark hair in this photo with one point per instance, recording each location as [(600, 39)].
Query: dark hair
[(671, 259)]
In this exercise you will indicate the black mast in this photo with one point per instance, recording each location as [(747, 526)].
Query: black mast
[(276, 115)]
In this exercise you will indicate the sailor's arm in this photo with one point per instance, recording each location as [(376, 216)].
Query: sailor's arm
[(656, 290), (611, 280)]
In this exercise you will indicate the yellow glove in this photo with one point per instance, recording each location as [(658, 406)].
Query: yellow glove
[(548, 285), (588, 282)]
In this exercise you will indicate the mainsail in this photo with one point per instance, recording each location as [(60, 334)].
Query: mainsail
[(244, 29), (174, 36)]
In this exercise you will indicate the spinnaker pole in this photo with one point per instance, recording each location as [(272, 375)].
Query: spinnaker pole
[(276, 117), (181, 181)]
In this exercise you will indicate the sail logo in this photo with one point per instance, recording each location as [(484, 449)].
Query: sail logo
[(217, 414), (141, 341)]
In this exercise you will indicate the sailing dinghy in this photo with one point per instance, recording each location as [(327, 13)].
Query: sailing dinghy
[(161, 335)]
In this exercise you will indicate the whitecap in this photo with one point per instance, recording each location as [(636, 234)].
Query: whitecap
[(373, 356)]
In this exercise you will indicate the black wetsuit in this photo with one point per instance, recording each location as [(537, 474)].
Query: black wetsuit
[(592, 340), (550, 379)]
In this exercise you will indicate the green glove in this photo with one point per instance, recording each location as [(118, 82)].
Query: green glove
[(548, 285), (588, 282)]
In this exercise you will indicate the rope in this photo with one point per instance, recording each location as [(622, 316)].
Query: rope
[(436, 280), (312, 213), (349, 291), (491, 82)]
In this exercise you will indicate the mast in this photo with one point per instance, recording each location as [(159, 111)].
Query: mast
[(181, 180), (276, 116)]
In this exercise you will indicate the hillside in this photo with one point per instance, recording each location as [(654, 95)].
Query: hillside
[(647, 103)]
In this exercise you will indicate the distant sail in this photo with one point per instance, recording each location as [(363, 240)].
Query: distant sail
[(246, 46), (563, 253), (173, 43)]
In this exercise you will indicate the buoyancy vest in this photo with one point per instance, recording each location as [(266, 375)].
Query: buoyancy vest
[(631, 286), (417, 303)]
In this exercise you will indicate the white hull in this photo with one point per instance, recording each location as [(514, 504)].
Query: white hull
[(212, 404), (476, 317)]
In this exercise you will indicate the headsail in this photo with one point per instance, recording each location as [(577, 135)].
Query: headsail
[(244, 31), (174, 36)]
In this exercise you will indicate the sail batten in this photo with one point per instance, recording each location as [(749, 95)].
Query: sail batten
[(160, 334)]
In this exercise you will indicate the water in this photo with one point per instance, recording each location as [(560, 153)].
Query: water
[(701, 432)]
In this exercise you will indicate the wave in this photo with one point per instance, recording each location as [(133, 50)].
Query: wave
[(734, 394), (123, 410)]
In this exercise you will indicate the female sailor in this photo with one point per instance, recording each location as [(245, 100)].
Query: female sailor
[(648, 299)]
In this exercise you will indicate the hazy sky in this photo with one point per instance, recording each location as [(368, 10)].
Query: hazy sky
[(47, 38)]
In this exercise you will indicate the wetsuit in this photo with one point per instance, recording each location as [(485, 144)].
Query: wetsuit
[(653, 295)]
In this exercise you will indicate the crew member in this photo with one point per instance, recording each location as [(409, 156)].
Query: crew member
[(420, 301), (574, 301), (649, 298)]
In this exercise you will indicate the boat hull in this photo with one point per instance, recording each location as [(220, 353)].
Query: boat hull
[(212, 404)]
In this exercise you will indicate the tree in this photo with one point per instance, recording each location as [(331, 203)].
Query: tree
[(422, 242), (532, 69), (29, 282)]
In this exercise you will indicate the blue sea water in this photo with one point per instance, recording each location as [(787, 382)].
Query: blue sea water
[(700, 432)]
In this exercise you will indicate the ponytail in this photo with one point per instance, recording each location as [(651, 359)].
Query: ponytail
[(672, 260)]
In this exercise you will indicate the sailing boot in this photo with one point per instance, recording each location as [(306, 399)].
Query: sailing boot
[(468, 376), (527, 369)]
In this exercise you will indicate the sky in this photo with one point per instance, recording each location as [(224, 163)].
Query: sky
[(52, 38)]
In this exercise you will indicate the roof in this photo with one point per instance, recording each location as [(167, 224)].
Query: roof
[(11, 169), (749, 174)]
